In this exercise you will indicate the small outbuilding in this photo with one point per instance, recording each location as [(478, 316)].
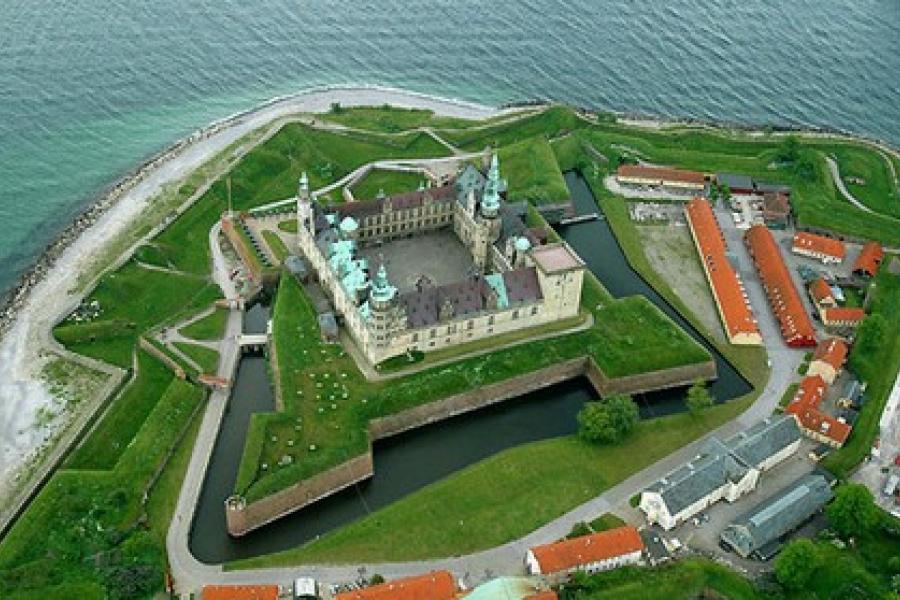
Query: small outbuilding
[(328, 327), (590, 553)]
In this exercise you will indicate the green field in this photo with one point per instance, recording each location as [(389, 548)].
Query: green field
[(877, 191), (532, 172), (210, 327), (206, 358), (81, 537), (276, 245), (389, 182)]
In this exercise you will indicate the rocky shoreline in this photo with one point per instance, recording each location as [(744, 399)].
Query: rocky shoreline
[(14, 300)]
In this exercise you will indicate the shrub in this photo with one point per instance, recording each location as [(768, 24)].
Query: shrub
[(853, 511), (607, 421), (796, 564)]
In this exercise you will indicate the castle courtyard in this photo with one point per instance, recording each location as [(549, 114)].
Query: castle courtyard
[(437, 257)]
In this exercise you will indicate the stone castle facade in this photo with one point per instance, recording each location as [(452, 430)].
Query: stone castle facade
[(516, 281)]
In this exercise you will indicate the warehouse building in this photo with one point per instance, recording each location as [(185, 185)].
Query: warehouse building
[(723, 470), (437, 585), (727, 288), (674, 180), (758, 533), (796, 327)]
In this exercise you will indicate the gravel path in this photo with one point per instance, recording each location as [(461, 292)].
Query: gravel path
[(836, 176)]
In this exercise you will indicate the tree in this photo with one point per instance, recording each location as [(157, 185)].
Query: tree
[(607, 421), (870, 339), (789, 150), (698, 397), (336, 108), (796, 564), (853, 511)]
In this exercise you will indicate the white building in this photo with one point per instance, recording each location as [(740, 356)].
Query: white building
[(722, 471)]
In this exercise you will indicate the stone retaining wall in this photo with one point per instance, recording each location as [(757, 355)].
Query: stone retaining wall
[(242, 517)]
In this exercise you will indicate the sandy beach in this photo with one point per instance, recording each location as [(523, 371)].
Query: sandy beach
[(50, 295)]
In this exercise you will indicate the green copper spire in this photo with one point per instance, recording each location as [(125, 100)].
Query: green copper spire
[(490, 200), (382, 290)]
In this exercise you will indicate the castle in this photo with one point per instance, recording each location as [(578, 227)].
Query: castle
[(470, 269)]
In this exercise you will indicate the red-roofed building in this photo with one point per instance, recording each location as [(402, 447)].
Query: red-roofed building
[(437, 585), (828, 359), (240, 592), (819, 247), (674, 179), (821, 295), (724, 282), (591, 553), (842, 317), (869, 260), (816, 424), (796, 327)]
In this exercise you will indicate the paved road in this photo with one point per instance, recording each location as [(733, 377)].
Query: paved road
[(836, 176)]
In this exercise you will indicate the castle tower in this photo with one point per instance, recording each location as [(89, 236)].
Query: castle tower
[(487, 222), (382, 308), (304, 211)]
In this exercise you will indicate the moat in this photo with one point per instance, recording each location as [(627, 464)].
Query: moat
[(408, 462)]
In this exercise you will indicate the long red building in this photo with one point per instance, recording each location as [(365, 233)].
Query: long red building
[(724, 282), (796, 327)]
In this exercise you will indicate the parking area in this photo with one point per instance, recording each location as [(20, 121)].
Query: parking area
[(701, 534)]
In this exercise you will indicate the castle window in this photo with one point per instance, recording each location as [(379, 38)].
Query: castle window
[(534, 310), (434, 333), (515, 314), (470, 324), (491, 320), (415, 337)]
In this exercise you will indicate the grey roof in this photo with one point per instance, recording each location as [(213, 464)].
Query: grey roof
[(735, 181), (720, 462), (778, 515), (699, 478), (765, 187), (764, 439), (852, 391), (296, 265), (328, 324), (522, 285), (470, 178)]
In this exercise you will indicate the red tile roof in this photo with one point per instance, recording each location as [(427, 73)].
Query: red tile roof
[(843, 315), (662, 174), (722, 278), (584, 550), (819, 244), (819, 290), (548, 595), (871, 256), (240, 592), (832, 351), (437, 585), (796, 327), (805, 406)]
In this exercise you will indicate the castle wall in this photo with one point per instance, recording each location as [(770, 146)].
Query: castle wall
[(243, 517)]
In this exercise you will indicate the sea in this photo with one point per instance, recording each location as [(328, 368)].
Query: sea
[(89, 89)]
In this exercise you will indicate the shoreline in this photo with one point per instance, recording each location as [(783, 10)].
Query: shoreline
[(46, 292)]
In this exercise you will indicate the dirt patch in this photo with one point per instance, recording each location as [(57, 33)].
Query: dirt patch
[(671, 252)]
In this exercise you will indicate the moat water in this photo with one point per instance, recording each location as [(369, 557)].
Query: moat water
[(408, 462), (87, 88)]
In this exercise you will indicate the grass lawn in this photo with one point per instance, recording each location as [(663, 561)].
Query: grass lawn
[(206, 358), (288, 226), (210, 327), (80, 531), (392, 119), (877, 191), (606, 521), (390, 182), (551, 123), (682, 580), (132, 300), (124, 418), (276, 245), (878, 367), (532, 172), (788, 395)]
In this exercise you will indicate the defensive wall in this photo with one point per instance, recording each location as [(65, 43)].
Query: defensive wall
[(243, 517)]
